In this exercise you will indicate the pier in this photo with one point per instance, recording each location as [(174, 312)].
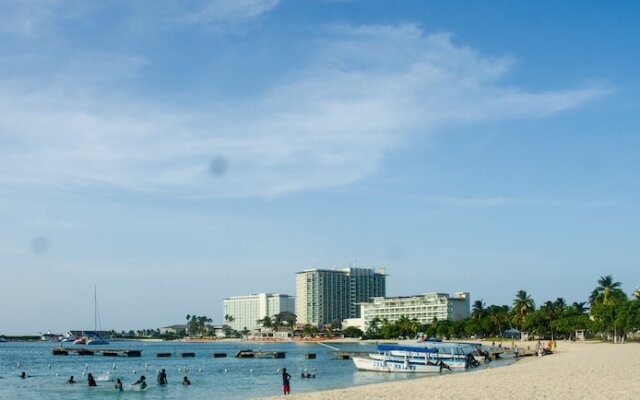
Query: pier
[(65, 351)]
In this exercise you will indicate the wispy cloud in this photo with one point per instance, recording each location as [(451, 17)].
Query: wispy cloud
[(365, 92), (498, 201), (31, 18)]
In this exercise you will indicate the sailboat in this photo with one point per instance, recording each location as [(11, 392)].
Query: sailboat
[(95, 339)]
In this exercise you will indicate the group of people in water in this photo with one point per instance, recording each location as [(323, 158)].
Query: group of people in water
[(141, 382)]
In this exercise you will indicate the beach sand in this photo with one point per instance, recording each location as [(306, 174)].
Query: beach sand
[(575, 371)]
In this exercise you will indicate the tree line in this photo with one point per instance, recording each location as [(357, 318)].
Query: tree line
[(609, 314)]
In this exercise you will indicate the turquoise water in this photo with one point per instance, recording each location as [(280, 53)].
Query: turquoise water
[(243, 378), (220, 378)]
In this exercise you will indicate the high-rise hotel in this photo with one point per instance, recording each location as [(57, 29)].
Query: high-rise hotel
[(327, 295)]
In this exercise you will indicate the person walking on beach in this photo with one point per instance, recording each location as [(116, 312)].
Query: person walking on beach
[(286, 381), (119, 385), (162, 377), (91, 381)]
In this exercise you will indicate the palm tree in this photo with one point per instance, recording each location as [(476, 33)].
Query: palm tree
[(607, 292), (265, 322), (579, 307), (522, 305), (636, 293), (478, 311)]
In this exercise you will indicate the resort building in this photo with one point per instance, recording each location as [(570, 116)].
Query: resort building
[(424, 308), (243, 312), (324, 296)]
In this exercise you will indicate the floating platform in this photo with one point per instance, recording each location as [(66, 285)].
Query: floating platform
[(65, 351), (345, 355), (260, 354), (219, 355), (163, 354)]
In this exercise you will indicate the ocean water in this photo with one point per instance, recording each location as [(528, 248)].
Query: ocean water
[(220, 378)]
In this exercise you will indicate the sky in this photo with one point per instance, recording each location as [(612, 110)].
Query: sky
[(175, 153)]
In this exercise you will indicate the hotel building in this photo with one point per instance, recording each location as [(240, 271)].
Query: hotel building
[(424, 308), (327, 295), (246, 310)]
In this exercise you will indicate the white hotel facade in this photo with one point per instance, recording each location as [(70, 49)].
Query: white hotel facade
[(424, 308), (246, 310)]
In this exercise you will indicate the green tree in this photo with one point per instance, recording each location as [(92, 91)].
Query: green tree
[(477, 310), (608, 291), (522, 305), (265, 322), (353, 332)]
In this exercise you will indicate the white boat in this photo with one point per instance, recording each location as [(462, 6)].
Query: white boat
[(413, 360), (93, 338), (97, 341)]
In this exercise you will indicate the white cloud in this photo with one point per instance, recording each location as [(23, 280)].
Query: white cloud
[(34, 18), (367, 91)]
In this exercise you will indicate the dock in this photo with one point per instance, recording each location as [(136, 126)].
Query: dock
[(65, 351), (260, 354), (345, 355)]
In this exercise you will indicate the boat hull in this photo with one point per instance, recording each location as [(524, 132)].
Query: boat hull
[(369, 364)]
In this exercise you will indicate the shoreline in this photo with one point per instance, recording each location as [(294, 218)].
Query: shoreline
[(584, 370)]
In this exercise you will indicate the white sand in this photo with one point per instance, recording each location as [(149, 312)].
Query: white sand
[(576, 371)]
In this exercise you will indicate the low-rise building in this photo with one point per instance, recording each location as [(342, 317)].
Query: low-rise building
[(178, 329), (424, 308)]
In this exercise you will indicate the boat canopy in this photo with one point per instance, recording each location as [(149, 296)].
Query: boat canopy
[(413, 349)]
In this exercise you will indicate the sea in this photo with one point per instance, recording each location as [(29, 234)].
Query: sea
[(219, 378)]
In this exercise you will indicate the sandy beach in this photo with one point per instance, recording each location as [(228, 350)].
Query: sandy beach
[(576, 371)]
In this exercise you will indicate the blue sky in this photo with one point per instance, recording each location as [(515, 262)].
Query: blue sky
[(175, 153)]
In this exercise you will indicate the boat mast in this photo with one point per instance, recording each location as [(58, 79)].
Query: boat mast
[(95, 310)]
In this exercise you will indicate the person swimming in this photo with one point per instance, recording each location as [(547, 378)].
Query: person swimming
[(118, 385), (142, 382), (71, 380), (24, 375), (186, 381)]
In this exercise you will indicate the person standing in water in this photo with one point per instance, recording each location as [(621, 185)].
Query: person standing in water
[(119, 385), (286, 381), (162, 377), (186, 381), (91, 381), (71, 380)]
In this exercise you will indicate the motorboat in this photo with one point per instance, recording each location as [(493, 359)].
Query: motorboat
[(385, 362)]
